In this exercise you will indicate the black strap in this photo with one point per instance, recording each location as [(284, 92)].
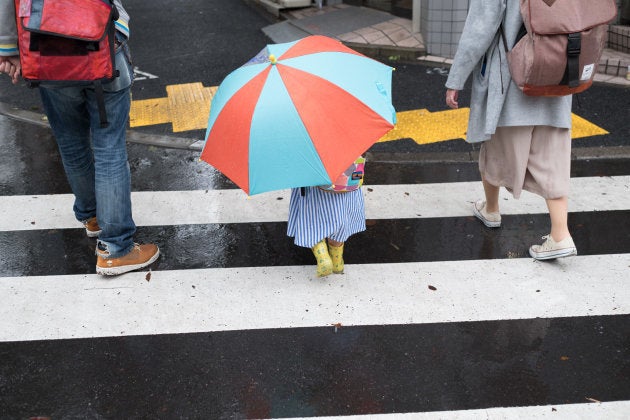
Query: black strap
[(574, 47), (502, 31), (521, 33), (100, 100), (115, 12)]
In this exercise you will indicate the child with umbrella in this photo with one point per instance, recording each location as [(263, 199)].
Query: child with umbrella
[(324, 217)]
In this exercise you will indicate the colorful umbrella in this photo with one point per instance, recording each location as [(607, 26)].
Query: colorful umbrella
[(298, 114)]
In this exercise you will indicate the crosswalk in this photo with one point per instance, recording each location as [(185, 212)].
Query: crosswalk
[(226, 299), (159, 208), (436, 317)]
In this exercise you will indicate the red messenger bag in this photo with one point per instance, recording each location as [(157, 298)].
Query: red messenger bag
[(68, 43)]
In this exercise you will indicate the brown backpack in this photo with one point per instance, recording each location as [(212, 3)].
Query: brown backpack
[(559, 46)]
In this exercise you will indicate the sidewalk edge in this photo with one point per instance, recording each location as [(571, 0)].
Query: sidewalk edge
[(173, 142), (133, 136), (577, 153)]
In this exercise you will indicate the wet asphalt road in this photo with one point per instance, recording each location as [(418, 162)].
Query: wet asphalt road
[(208, 39), (309, 371), (388, 368)]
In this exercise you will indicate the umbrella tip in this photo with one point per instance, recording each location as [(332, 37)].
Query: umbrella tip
[(273, 59)]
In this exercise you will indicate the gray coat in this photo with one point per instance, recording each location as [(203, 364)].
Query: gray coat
[(8, 34), (495, 100)]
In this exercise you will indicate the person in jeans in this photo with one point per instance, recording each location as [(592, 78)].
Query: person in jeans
[(94, 157), (526, 140)]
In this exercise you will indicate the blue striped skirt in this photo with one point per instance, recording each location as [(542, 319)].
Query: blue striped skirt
[(319, 214)]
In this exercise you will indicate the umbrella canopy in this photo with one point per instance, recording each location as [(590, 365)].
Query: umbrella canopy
[(298, 114)]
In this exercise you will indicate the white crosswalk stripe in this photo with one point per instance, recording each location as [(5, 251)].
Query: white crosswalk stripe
[(382, 202), (54, 308), (616, 410), (81, 306)]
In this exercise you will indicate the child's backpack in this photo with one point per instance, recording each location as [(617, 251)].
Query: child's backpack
[(68, 43), (351, 179), (558, 49)]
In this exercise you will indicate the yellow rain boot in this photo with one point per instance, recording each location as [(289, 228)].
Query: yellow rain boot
[(324, 263), (336, 254)]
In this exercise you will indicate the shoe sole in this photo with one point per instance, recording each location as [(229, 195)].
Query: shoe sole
[(93, 233), (552, 255), (115, 271), (485, 221), (326, 273)]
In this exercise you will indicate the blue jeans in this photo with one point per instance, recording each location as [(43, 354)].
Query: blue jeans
[(95, 158)]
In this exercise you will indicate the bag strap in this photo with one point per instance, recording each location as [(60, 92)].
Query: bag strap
[(521, 33), (100, 101), (115, 12), (502, 33), (574, 47)]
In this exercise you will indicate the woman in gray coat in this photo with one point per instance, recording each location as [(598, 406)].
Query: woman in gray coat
[(526, 141)]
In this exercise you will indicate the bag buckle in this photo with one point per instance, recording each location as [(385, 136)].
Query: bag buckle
[(574, 44)]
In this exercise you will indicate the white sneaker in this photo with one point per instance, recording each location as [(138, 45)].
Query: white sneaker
[(492, 220), (551, 249)]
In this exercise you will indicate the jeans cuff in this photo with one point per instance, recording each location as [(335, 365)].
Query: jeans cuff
[(104, 250)]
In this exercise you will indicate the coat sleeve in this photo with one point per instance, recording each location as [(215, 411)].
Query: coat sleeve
[(8, 30), (482, 24), (122, 24)]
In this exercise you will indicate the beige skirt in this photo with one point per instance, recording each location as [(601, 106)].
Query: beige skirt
[(532, 158)]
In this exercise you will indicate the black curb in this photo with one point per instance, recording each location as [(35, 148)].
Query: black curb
[(172, 142), (577, 153), (388, 53)]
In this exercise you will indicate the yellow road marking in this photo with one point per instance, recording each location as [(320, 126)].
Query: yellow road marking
[(425, 127), (429, 127), (584, 128), (187, 107)]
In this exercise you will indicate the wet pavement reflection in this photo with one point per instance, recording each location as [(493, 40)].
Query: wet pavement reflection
[(326, 371), (69, 251), (29, 162)]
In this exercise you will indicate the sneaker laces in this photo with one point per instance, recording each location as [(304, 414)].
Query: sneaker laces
[(548, 244)]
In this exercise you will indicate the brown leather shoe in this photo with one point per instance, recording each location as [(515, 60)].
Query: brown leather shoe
[(140, 256), (91, 227)]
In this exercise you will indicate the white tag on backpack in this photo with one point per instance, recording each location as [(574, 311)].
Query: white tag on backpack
[(587, 72)]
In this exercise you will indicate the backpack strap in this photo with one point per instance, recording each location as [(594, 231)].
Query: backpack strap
[(521, 33), (98, 85), (574, 47), (502, 33), (115, 12), (100, 101)]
